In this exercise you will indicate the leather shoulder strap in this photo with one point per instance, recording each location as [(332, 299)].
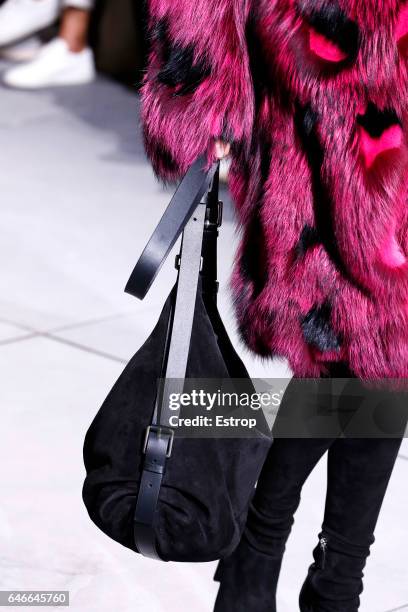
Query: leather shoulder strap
[(185, 200)]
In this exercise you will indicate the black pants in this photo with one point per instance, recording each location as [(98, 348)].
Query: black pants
[(358, 473), (359, 469)]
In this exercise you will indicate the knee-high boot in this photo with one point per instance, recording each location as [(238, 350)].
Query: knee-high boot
[(248, 581), (335, 579), (358, 474), (249, 576)]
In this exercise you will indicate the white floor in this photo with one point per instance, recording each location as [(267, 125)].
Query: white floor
[(78, 202)]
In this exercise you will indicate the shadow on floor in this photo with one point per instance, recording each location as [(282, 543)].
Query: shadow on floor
[(110, 107)]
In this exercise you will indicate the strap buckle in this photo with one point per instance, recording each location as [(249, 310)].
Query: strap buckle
[(220, 213), (213, 217), (160, 432)]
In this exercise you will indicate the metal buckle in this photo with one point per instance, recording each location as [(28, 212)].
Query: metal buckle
[(157, 429), (220, 213), (218, 221)]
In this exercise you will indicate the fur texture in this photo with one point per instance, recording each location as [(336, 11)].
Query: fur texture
[(313, 96), (193, 90)]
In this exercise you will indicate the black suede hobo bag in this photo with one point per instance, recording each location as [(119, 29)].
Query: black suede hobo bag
[(171, 497)]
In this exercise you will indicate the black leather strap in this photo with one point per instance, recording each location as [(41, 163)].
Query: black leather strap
[(185, 200), (159, 436), (182, 324), (156, 453), (213, 221)]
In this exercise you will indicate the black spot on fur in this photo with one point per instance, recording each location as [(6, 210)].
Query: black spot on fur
[(253, 258), (376, 121), (179, 68), (308, 238), (339, 369), (306, 122), (317, 329), (309, 121), (331, 21), (265, 161), (259, 66), (160, 33), (253, 262), (162, 156)]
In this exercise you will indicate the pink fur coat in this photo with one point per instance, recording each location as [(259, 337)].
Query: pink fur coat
[(312, 94)]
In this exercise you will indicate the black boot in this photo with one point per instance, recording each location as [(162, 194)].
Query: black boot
[(358, 474), (248, 580), (335, 579), (249, 576)]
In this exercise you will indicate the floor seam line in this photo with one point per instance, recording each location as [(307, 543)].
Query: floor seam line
[(22, 326), (72, 344), (16, 339), (67, 327), (84, 348), (87, 322)]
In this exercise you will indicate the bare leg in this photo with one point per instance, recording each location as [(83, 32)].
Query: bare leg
[(74, 28)]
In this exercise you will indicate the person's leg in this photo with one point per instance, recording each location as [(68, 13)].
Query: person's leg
[(248, 578), (358, 474), (75, 27), (66, 60), (250, 575)]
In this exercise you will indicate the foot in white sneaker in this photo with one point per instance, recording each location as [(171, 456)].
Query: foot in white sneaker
[(20, 18), (54, 65)]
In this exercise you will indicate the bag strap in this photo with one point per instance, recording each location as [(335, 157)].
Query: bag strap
[(180, 209), (198, 254)]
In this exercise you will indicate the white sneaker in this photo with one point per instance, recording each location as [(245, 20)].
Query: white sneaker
[(54, 65), (20, 18), (23, 51)]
